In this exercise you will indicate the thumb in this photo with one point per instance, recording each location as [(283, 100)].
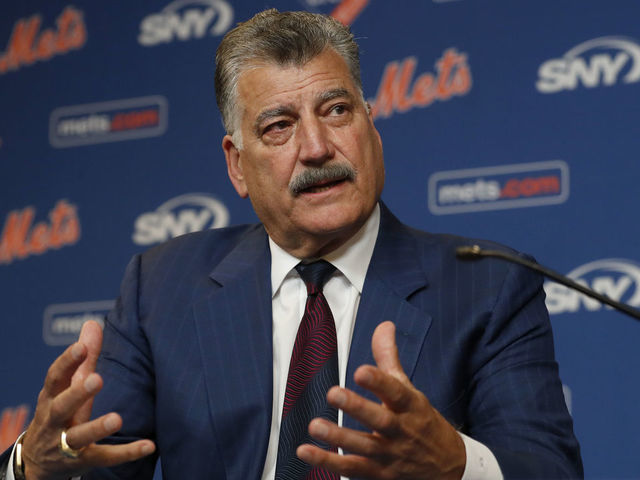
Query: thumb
[(385, 350)]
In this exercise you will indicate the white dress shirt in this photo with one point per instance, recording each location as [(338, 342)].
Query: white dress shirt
[(342, 291)]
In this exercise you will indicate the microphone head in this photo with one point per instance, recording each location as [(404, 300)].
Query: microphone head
[(470, 252)]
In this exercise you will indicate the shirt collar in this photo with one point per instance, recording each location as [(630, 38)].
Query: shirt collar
[(352, 258)]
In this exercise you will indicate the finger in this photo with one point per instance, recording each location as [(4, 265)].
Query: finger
[(90, 432), (91, 337), (61, 370), (353, 441), (110, 455), (394, 393), (345, 465), (370, 414), (385, 351), (65, 405)]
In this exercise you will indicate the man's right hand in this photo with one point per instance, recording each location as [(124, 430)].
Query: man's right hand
[(65, 403)]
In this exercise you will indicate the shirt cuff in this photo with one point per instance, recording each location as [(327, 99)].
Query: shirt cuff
[(481, 463), (9, 475)]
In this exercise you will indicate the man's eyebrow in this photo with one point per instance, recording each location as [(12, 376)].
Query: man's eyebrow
[(335, 93), (271, 113)]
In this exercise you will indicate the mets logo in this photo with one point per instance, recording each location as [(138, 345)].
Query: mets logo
[(28, 44), (22, 238), (400, 92), (616, 278), (111, 121), (187, 213), (498, 188)]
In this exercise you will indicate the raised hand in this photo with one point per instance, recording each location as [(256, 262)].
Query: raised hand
[(64, 405), (409, 439)]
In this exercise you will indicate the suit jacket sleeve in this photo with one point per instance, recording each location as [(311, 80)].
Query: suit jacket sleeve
[(515, 402), (127, 369)]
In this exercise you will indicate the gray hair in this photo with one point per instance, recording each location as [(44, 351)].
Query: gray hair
[(281, 38)]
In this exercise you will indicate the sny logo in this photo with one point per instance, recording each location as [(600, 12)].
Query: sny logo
[(112, 121), (187, 213), (184, 20), (395, 93), (20, 238), (498, 188), (597, 62), (618, 279), (28, 45)]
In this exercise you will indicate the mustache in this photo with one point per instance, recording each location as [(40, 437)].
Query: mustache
[(326, 173)]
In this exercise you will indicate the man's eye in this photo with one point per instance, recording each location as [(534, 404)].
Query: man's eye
[(339, 109), (276, 126)]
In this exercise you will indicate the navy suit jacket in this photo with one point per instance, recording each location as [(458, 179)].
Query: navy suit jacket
[(187, 355)]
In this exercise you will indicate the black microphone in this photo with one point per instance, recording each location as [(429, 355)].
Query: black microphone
[(474, 252)]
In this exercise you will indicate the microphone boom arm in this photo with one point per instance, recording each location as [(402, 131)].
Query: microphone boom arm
[(474, 252)]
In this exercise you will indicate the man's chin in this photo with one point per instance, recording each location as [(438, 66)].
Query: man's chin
[(335, 221)]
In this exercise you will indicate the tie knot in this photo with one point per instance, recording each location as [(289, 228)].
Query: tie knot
[(315, 274)]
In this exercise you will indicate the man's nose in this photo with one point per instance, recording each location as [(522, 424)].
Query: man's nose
[(315, 145)]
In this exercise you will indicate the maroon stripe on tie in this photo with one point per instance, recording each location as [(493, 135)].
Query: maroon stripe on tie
[(312, 348)]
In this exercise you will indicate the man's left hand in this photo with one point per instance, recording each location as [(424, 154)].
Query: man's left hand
[(409, 439)]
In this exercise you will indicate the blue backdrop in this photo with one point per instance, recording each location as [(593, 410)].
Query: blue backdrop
[(514, 121)]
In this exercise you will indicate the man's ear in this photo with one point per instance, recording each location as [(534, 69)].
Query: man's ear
[(234, 166)]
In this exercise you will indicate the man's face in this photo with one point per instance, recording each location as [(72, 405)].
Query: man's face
[(306, 127)]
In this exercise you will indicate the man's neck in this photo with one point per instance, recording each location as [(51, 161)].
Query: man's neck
[(351, 258)]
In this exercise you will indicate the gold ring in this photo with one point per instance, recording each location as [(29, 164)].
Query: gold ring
[(65, 449)]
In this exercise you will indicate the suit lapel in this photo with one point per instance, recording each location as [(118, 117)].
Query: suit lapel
[(394, 274), (234, 332)]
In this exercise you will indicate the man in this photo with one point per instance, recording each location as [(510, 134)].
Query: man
[(197, 351)]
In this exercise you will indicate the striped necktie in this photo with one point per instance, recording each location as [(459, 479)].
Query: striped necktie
[(313, 370)]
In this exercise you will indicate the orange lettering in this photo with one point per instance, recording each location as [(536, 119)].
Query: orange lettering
[(510, 190), (24, 49), (402, 102), (392, 93), (19, 240), (39, 240), (528, 187), (461, 83), (383, 104), (65, 225), (13, 243), (20, 45), (424, 92), (46, 45), (453, 78), (12, 424), (72, 33), (347, 11), (132, 120)]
